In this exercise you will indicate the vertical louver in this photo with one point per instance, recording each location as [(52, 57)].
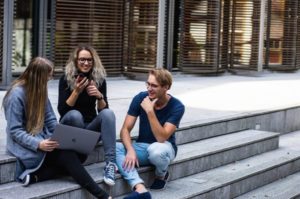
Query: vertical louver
[(141, 34), (50, 30), (281, 40), (298, 37), (200, 34), (99, 23), (244, 34)]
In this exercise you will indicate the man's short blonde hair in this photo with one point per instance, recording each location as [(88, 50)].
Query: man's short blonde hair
[(162, 76)]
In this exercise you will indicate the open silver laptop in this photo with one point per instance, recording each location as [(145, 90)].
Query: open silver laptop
[(77, 139)]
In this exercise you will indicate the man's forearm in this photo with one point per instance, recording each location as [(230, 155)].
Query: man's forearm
[(126, 139)]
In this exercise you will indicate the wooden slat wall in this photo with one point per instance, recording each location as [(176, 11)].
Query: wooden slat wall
[(199, 37), (289, 33), (141, 34), (99, 23), (298, 37), (282, 41), (50, 30), (244, 34)]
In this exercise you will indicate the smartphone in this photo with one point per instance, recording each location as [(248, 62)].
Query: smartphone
[(80, 77)]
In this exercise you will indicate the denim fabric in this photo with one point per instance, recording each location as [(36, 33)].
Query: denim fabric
[(104, 122), (158, 154)]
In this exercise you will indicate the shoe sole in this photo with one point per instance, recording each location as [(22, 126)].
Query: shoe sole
[(108, 182), (26, 181)]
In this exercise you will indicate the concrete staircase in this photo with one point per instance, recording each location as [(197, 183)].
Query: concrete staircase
[(220, 163)]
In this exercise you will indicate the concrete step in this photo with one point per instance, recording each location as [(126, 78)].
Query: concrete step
[(235, 179), (286, 188), (184, 135), (8, 163), (191, 159)]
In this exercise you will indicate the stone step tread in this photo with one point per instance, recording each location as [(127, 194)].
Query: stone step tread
[(185, 152), (217, 178), (221, 143), (284, 188), (206, 145), (49, 187)]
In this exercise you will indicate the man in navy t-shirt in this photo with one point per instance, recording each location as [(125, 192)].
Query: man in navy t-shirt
[(159, 115)]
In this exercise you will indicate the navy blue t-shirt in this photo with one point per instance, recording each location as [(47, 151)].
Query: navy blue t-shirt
[(171, 113)]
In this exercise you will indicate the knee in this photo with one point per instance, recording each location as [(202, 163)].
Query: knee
[(107, 115), (74, 114), (73, 118), (157, 152)]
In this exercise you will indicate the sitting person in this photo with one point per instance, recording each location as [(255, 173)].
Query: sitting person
[(81, 89), (30, 124), (160, 115)]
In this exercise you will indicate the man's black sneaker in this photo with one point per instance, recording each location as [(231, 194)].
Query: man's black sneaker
[(160, 184), (136, 195)]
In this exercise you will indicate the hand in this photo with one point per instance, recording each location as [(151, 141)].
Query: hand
[(93, 91), (130, 161), (81, 84), (48, 145), (148, 105)]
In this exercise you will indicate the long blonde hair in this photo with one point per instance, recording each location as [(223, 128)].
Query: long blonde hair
[(98, 72), (34, 79)]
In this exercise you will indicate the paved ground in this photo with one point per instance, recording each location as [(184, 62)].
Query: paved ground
[(206, 98)]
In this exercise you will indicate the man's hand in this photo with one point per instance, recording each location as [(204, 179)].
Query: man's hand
[(130, 161), (148, 105), (48, 145)]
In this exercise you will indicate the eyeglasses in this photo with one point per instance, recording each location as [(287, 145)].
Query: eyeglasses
[(149, 85), (83, 60)]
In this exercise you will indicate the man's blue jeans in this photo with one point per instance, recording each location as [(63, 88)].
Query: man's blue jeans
[(104, 122), (158, 154)]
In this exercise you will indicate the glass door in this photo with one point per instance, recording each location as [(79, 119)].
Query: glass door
[(22, 36)]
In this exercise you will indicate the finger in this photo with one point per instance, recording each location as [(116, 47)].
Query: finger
[(125, 164), (132, 165)]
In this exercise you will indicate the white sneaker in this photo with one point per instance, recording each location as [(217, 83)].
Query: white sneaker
[(26, 181)]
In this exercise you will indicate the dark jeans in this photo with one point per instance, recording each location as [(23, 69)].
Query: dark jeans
[(67, 162)]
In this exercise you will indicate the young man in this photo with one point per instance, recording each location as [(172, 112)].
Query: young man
[(159, 115)]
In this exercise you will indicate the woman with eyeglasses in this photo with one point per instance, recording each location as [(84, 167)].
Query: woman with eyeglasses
[(82, 102), (30, 124)]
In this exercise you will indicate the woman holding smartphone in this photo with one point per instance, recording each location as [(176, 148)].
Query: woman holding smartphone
[(82, 102)]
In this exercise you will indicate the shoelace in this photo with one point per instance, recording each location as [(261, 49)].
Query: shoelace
[(110, 169)]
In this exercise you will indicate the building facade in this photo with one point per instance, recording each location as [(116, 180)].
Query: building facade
[(133, 36)]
